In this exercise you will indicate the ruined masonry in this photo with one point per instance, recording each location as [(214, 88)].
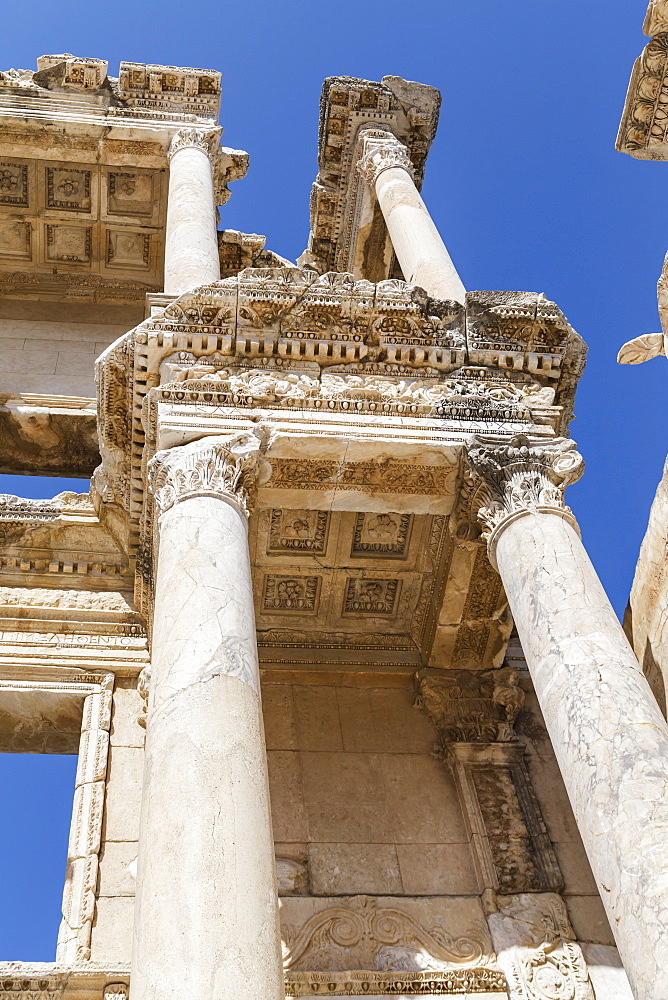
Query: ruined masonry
[(353, 713)]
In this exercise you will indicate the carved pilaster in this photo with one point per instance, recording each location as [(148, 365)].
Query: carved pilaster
[(474, 715), (382, 153), (223, 467), (206, 139), (520, 477)]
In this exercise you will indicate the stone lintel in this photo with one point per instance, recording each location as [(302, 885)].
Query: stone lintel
[(48, 436)]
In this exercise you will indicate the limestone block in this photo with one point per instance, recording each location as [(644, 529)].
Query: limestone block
[(111, 939), (118, 869), (606, 972), (345, 798), (123, 794), (437, 869), (575, 868), (383, 719), (127, 706), (279, 718), (342, 869), (317, 718), (589, 919), (422, 800), (287, 798)]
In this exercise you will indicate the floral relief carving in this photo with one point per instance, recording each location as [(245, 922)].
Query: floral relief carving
[(469, 705), (290, 593), (382, 154), (205, 139), (381, 534), (371, 597), (298, 531)]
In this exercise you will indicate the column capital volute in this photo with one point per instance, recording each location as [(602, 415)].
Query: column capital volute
[(381, 150), (205, 139), (517, 477), (224, 467)]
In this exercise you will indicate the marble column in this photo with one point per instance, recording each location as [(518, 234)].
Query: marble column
[(609, 736), (206, 920), (417, 243), (191, 241)]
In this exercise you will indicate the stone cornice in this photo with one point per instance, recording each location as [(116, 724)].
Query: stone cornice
[(222, 467), (520, 477)]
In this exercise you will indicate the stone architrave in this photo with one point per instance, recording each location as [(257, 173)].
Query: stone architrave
[(206, 920), (191, 247), (609, 736), (424, 259)]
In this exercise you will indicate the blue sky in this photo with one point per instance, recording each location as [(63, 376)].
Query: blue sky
[(523, 182)]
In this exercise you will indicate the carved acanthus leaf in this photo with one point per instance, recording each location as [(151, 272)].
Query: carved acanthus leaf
[(521, 476), (215, 466), (383, 154), (471, 706), (206, 139)]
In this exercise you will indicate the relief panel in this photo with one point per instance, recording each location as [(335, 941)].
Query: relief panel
[(371, 597), (298, 531), (70, 244), (130, 193), (125, 249), (68, 189), (381, 535), (291, 594), (15, 239), (13, 184)]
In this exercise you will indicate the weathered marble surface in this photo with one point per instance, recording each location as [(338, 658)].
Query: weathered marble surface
[(609, 736), (646, 619), (191, 241), (207, 920)]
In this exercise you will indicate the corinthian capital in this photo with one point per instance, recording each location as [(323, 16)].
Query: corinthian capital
[(382, 153), (223, 467), (206, 139), (520, 477)]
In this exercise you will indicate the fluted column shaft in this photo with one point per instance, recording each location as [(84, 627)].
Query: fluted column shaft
[(206, 922), (191, 240), (609, 736), (417, 243)]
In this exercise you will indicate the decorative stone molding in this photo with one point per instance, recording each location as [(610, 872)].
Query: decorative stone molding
[(521, 477), (204, 139), (454, 981), (536, 949), (215, 466), (656, 18), (383, 154)]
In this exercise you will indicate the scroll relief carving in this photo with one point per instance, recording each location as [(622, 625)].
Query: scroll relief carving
[(365, 935), (471, 706), (537, 951), (521, 477), (216, 466)]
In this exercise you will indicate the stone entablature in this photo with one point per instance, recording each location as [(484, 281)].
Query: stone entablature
[(643, 130), (340, 238)]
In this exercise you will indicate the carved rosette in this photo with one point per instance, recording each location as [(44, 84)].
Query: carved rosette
[(520, 477), (223, 467), (206, 139), (383, 154)]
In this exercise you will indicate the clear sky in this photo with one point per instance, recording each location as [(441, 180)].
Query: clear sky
[(523, 182)]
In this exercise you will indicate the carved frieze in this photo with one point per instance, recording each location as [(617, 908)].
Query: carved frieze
[(643, 130), (452, 981)]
